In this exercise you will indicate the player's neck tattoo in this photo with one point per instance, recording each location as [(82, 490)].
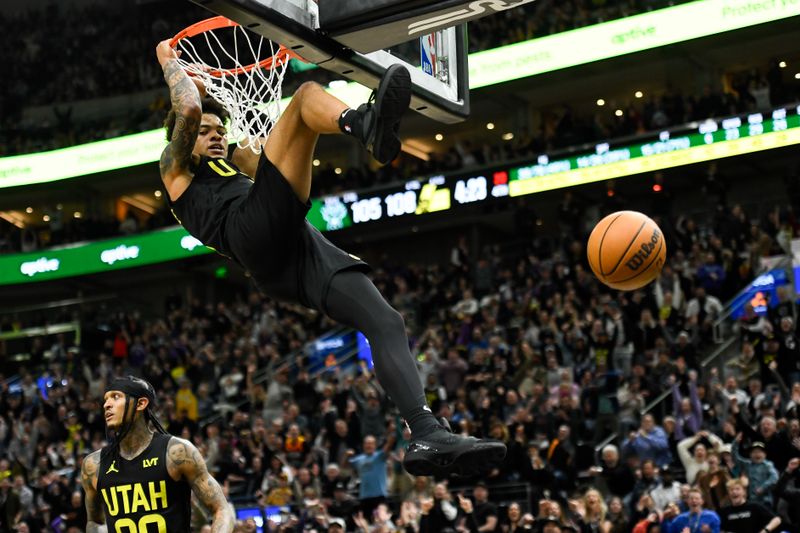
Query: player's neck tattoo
[(137, 439)]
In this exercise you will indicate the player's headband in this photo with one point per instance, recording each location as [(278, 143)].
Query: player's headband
[(134, 387)]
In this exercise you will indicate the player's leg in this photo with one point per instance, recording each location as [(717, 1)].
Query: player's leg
[(290, 146), (312, 111), (353, 300)]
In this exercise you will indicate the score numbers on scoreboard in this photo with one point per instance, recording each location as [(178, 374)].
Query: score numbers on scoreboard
[(417, 197), (393, 204)]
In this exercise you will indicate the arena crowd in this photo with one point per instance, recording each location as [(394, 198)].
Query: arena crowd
[(519, 343)]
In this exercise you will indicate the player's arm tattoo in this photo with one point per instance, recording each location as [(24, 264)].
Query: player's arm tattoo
[(96, 520), (188, 112), (184, 457)]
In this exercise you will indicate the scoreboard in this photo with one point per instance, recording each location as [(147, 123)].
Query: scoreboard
[(417, 197)]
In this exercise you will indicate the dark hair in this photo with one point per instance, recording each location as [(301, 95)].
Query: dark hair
[(209, 106), (133, 388)]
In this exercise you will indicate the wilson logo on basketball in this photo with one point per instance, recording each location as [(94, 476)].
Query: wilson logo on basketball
[(644, 252)]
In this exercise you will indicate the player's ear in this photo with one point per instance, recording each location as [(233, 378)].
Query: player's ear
[(142, 403)]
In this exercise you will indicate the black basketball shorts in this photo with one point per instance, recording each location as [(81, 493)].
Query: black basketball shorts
[(287, 257)]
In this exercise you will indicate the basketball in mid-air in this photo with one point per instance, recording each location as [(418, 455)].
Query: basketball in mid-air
[(626, 250)]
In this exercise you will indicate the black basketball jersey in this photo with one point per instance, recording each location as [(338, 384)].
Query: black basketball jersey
[(217, 186), (139, 496)]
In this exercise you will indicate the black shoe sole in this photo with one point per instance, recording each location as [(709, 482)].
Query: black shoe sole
[(472, 462), (391, 102)]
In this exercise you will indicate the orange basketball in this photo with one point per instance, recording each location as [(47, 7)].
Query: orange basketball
[(626, 250)]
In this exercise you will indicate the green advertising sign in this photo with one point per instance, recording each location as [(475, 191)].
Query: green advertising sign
[(537, 56), (100, 256), (623, 36), (82, 160), (730, 137)]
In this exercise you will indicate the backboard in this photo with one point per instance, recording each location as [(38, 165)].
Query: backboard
[(360, 39)]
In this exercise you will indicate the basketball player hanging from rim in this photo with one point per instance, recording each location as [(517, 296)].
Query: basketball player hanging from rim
[(252, 208), (143, 479)]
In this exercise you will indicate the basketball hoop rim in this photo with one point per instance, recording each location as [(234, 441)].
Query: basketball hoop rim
[(215, 23)]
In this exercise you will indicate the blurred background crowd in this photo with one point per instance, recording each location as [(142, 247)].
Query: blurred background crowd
[(517, 343)]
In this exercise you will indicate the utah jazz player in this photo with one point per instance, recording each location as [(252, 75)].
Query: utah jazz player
[(142, 481), (252, 208)]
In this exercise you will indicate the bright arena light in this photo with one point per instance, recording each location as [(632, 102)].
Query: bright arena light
[(782, 64), (157, 194), (46, 218), (77, 214), (439, 137), (601, 102), (316, 162), (508, 136), (29, 210), (338, 170), (638, 94), (490, 126), (619, 112)]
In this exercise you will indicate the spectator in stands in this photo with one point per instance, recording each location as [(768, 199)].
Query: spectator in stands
[(759, 471), (713, 482), (777, 445), (688, 412), (789, 354), (695, 519), (702, 311), (452, 372), (788, 490), (336, 525), (371, 468), (615, 477), (560, 453), (343, 505), (186, 401), (485, 512), (667, 491), (742, 516), (693, 453), (711, 275), (437, 513), (10, 508), (281, 493), (617, 518), (590, 510), (650, 442), (647, 481)]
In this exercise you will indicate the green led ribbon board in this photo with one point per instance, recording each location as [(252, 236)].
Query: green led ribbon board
[(100, 256)]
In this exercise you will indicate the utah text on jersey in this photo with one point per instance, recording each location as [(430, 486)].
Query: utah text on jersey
[(135, 497)]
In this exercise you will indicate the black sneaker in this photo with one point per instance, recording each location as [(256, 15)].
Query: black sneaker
[(382, 114), (442, 453)]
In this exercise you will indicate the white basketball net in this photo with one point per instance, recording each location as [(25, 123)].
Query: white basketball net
[(251, 96)]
